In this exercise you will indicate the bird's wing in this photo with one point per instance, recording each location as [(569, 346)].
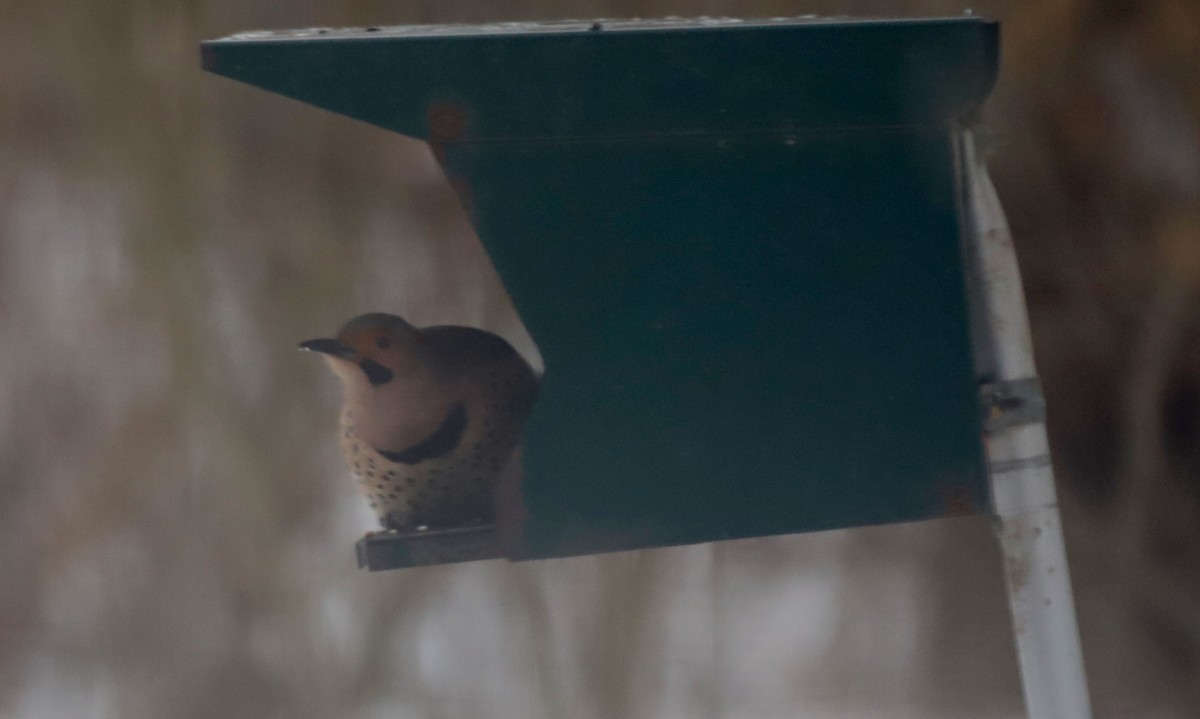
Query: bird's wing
[(442, 441), (459, 350)]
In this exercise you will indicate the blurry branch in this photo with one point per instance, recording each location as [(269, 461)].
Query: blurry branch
[(623, 624), (1150, 491), (529, 588)]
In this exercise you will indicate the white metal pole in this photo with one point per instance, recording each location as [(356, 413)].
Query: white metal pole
[(1022, 480)]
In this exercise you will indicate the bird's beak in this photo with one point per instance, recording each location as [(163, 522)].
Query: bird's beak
[(332, 348)]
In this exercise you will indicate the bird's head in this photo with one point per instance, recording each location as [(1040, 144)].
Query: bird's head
[(377, 347)]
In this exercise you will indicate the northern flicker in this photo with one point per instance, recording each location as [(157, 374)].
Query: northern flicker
[(430, 416)]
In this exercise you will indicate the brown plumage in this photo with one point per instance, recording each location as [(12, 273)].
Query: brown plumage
[(430, 417)]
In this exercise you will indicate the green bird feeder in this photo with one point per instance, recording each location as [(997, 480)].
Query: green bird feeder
[(738, 247), (770, 281)]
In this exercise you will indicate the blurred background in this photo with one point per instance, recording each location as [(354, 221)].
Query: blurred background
[(176, 527)]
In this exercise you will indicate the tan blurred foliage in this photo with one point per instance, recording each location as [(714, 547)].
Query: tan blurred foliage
[(175, 539), (1098, 161)]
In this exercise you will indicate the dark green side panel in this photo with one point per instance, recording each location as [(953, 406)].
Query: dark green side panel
[(738, 249), (743, 334)]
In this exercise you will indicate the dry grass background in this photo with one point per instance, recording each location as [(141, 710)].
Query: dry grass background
[(174, 539)]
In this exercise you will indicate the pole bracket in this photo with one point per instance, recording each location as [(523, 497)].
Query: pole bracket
[(1012, 403)]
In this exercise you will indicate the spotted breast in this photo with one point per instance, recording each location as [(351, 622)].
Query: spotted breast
[(431, 416)]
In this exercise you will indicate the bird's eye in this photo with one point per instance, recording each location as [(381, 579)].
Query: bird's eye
[(382, 342)]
